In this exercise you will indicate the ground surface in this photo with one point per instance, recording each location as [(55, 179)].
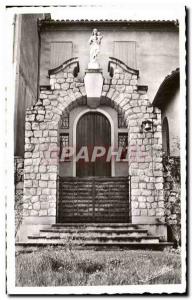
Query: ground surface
[(62, 267)]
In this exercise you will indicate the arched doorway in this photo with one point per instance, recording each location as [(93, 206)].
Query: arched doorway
[(165, 137), (93, 139)]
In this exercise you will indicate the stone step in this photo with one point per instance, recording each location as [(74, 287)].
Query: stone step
[(83, 238), (95, 225), (98, 234), (98, 245), (96, 230)]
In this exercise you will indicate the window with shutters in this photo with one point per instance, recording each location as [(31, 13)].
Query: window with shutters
[(123, 144), (126, 52), (60, 52), (121, 121), (64, 143), (65, 121)]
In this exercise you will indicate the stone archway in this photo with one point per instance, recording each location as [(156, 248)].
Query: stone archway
[(66, 91)]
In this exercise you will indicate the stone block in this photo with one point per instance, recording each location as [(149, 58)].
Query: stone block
[(28, 133), (43, 183), (148, 205), (150, 199), (43, 212), (52, 184), (28, 162), (142, 205), (35, 183), (151, 212), (120, 88), (142, 185), (135, 96), (159, 179), (53, 133), (60, 80), (43, 198), (42, 169), (45, 176), (45, 191), (65, 86), (135, 185), (35, 155), (44, 147), (160, 212), (150, 186), (36, 206), (42, 96), (54, 154), (146, 192), (52, 198), (34, 213), (143, 97), (53, 176), (57, 86), (40, 118), (136, 212), (154, 205), (135, 204), (161, 204), (142, 198), (52, 205), (34, 199), (38, 189), (30, 192), (135, 192), (143, 212), (69, 80), (44, 205), (46, 102), (128, 76), (36, 162), (133, 82), (28, 183), (126, 82), (51, 212)]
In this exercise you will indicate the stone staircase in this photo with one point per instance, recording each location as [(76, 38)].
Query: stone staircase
[(96, 236)]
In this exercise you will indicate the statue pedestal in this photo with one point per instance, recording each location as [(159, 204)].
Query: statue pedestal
[(93, 86)]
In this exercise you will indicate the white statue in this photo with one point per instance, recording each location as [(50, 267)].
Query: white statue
[(94, 42)]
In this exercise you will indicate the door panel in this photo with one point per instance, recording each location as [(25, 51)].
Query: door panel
[(93, 129), (93, 199)]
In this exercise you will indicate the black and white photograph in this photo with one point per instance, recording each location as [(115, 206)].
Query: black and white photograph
[(96, 100)]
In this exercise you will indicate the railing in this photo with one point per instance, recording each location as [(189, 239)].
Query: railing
[(94, 199), (129, 199)]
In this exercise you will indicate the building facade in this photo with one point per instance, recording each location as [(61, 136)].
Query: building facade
[(108, 121)]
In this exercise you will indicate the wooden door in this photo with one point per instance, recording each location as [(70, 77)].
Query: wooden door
[(93, 129)]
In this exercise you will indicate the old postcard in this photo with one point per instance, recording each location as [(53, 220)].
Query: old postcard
[(96, 102)]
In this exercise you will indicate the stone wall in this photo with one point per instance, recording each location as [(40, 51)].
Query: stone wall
[(172, 195), (41, 143), (145, 146), (18, 181)]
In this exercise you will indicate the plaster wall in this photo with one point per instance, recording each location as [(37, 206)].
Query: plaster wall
[(27, 60), (172, 112), (157, 50)]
